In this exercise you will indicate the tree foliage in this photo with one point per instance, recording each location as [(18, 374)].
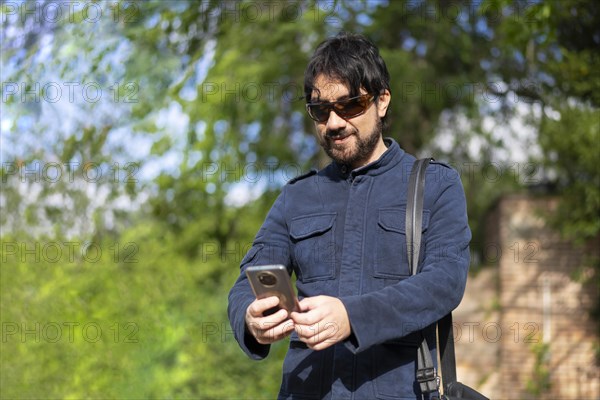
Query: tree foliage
[(199, 124)]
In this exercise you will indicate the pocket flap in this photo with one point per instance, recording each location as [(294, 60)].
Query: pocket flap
[(309, 225), (394, 219)]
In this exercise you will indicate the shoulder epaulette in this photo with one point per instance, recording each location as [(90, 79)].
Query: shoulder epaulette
[(302, 176), (443, 164)]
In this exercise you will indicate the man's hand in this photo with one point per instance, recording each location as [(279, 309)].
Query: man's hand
[(271, 328), (323, 322)]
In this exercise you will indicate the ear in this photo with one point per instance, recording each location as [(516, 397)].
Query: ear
[(383, 101)]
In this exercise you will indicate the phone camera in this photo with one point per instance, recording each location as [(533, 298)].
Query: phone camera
[(267, 279)]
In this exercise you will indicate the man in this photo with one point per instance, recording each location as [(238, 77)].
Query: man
[(341, 231)]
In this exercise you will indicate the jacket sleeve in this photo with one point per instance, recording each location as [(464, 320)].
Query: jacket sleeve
[(270, 246), (420, 300)]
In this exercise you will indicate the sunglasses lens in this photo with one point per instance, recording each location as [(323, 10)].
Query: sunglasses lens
[(350, 108), (318, 112), (345, 109)]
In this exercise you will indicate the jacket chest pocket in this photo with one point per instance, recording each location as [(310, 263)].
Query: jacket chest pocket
[(391, 260), (314, 246)]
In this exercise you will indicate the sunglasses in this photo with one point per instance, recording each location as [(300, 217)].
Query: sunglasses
[(349, 108)]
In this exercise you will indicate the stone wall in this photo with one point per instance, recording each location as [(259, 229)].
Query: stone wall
[(524, 329)]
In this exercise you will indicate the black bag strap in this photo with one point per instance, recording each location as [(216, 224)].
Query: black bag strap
[(447, 355), (426, 374), (414, 212)]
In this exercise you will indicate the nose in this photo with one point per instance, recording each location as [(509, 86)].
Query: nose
[(335, 122)]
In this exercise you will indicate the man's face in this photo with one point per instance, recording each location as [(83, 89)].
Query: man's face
[(353, 141)]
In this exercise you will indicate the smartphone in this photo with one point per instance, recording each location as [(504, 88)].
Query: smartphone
[(273, 280)]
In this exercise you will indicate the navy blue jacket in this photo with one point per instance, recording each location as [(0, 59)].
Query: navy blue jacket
[(342, 233)]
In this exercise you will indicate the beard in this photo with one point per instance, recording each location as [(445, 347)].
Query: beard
[(355, 153)]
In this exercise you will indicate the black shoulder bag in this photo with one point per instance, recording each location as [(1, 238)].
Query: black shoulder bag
[(426, 374)]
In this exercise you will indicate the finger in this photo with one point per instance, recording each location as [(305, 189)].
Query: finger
[(306, 318), (257, 326), (317, 340), (268, 322), (323, 340), (309, 303), (259, 306), (283, 329), (321, 345), (276, 318), (316, 333), (307, 333), (276, 333)]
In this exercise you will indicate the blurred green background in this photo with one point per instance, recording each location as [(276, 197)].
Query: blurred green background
[(142, 144)]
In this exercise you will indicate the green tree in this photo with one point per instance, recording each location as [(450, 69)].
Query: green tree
[(202, 121), (552, 48)]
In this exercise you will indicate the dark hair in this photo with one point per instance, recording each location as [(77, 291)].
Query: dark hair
[(352, 60)]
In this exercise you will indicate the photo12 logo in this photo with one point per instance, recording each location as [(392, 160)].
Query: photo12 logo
[(54, 172), (73, 92), (69, 331), (54, 12), (67, 252)]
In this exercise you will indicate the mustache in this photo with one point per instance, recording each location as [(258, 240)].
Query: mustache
[(337, 133)]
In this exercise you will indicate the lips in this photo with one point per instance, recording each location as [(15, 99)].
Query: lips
[(339, 138)]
